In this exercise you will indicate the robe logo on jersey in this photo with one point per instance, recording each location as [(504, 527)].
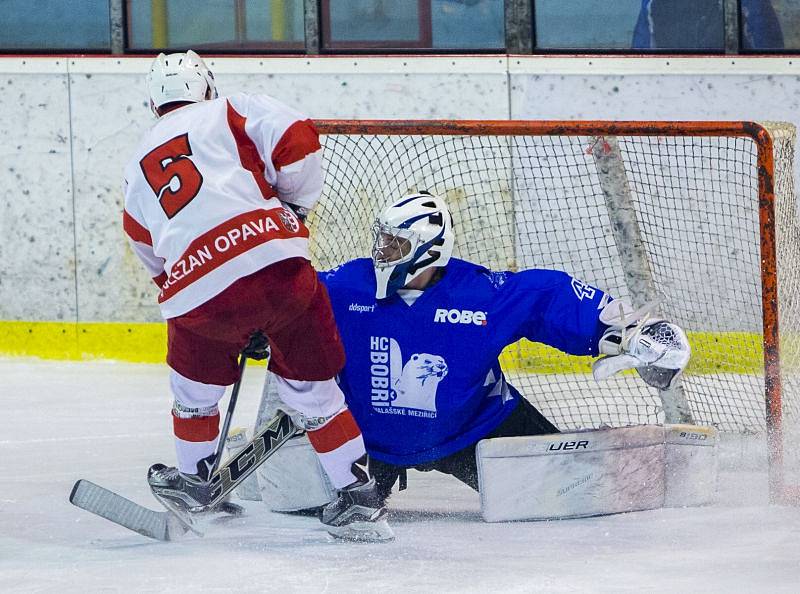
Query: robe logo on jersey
[(460, 316), (404, 388), (582, 289)]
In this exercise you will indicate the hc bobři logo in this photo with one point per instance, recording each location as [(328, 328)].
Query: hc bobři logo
[(403, 388)]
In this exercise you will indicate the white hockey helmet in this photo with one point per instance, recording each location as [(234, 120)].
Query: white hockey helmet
[(410, 236), (179, 77)]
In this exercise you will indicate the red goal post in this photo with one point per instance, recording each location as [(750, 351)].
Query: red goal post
[(694, 214)]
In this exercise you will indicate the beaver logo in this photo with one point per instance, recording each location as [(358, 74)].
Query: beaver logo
[(416, 387)]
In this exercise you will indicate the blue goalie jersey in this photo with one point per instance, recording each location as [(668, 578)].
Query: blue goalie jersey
[(423, 380)]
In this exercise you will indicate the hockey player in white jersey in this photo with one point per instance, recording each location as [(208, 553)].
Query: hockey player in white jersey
[(214, 201), (423, 332)]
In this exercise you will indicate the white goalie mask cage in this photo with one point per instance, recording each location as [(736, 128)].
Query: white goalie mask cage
[(410, 236), (179, 77)]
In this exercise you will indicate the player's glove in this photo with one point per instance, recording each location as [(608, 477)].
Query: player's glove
[(300, 211), (657, 349), (257, 348)]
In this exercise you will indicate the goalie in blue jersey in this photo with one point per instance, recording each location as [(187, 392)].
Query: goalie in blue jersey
[(423, 332)]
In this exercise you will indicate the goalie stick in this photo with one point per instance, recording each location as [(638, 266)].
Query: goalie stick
[(175, 522)]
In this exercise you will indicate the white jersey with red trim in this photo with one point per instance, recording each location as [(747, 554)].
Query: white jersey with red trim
[(203, 195)]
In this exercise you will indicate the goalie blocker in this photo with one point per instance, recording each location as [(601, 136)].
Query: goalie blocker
[(596, 472)]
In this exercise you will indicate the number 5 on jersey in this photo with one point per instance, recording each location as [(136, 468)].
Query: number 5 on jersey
[(172, 175)]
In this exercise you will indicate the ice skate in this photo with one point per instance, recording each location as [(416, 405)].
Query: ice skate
[(188, 493), (358, 513)]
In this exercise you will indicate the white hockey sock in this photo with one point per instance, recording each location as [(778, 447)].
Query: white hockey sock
[(337, 463), (338, 444), (190, 452)]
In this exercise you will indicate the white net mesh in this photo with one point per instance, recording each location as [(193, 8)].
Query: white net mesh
[(537, 201)]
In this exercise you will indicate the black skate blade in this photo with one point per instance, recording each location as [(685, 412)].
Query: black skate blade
[(230, 509), (221, 514)]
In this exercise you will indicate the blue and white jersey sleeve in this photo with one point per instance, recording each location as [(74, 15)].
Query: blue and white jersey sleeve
[(549, 307)]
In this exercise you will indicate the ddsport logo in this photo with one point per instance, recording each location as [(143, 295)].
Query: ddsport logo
[(357, 307), (460, 316)]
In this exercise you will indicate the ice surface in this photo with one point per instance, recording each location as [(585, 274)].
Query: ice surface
[(108, 422)]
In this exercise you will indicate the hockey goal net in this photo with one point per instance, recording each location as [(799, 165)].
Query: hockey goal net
[(697, 215)]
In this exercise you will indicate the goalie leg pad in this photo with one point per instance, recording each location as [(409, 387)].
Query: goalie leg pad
[(599, 472), (292, 479), (332, 430)]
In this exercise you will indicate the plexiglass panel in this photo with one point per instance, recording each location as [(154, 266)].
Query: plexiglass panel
[(216, 24)]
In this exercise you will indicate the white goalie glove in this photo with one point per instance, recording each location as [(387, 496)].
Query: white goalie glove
[(657, 349)]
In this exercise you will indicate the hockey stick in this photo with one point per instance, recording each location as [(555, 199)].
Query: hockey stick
[(226, 426), (158, 525), (153, 524), (257, 348)]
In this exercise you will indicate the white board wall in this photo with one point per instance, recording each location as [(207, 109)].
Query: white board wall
[(67, 126)]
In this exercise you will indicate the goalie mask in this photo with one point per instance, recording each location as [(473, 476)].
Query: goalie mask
[(410, 236), (179, 77)]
